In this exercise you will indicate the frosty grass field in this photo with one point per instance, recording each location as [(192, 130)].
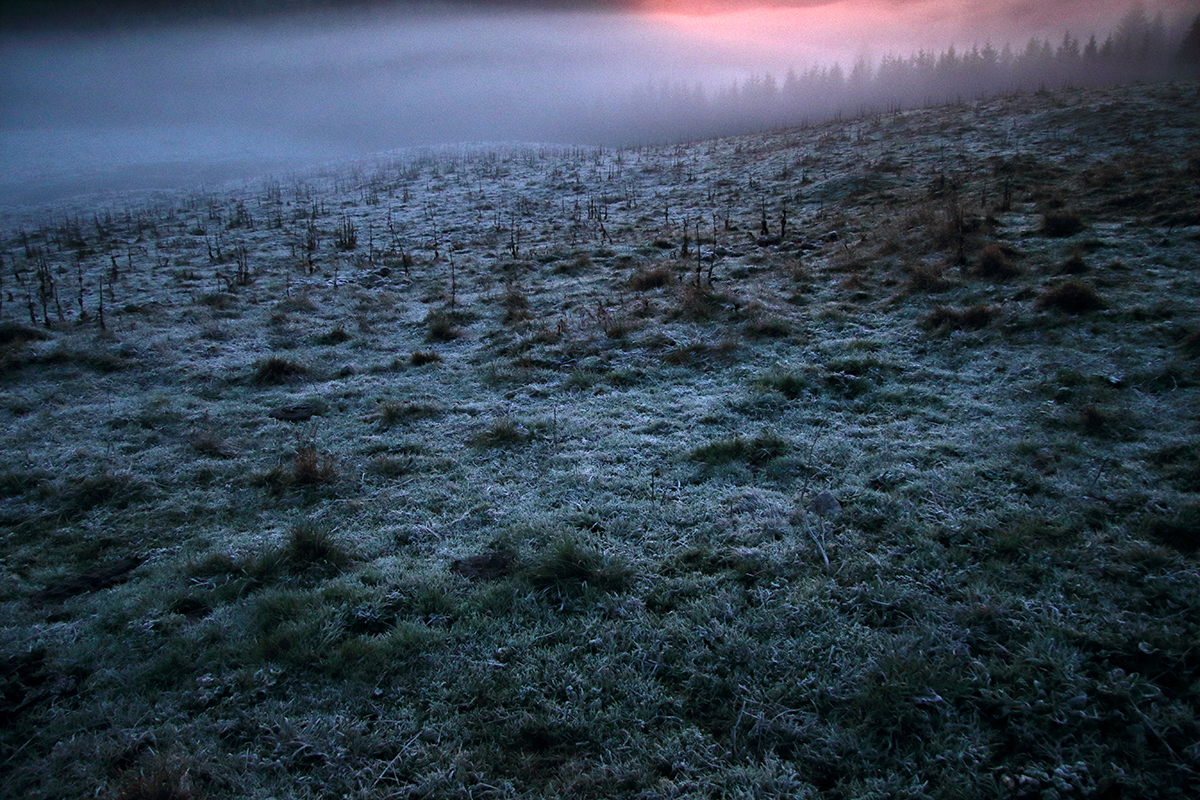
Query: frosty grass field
[(857, 460)]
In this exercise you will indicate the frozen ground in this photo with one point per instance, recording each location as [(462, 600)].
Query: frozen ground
[(490, 471)]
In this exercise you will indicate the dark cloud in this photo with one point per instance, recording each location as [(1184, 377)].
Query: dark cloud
[(32, 14)]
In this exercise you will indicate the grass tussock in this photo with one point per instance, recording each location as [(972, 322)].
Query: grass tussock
[(300, 304), (1061, 224), (392, 466), (390, 413), (1105, 422), (1071, 297), (309, 551), (768, 327), (502, 433), (756, 451), (996, 263), (1176, 463), (1179, 530), (701, 304), (421, 358), (160, 779), (309, 468), (442, 326), (701, 353), (210, 443), (645, 280), (313, 549), (926, 279), (944, 318), (277, 370), (335, 337), (792, 385), (568, 567), (1076, 264), (516, 305), (15, 333), (115, 489), (221, 301)]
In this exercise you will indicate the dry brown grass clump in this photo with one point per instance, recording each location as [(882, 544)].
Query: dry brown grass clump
[(926, 279), (420, 358), (210, 443), (645, 280), (503, 432), (336, 336), (442, 327), (309, 468), (276, 370), (950, 319), (768, 327), (995, 263), (16, 333), (1060, 224), (1073, 297), (516, 305), (1075, 265), (313, 468), (701, 304)]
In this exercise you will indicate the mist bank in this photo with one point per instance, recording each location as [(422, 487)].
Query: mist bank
[(206, 103), (1139, 48), (153, 107)]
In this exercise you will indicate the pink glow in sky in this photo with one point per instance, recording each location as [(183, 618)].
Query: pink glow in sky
[(823, 31)]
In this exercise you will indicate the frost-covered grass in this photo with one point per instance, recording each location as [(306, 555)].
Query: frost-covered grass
[(490, 472)]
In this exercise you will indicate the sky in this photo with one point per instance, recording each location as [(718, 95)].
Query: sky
[(138, 105), (842, 30)]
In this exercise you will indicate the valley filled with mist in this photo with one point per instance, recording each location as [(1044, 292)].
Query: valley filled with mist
[(164, 104)]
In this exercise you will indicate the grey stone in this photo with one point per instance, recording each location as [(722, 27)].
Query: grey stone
[(300, 413), (825, 505)]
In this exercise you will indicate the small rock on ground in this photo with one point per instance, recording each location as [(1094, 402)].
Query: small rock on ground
[(825, 505)]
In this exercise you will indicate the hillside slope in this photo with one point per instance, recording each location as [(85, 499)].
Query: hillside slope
[(857, 460)]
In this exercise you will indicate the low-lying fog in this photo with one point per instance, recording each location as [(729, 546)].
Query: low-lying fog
[(176, 106), (128, 108)]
